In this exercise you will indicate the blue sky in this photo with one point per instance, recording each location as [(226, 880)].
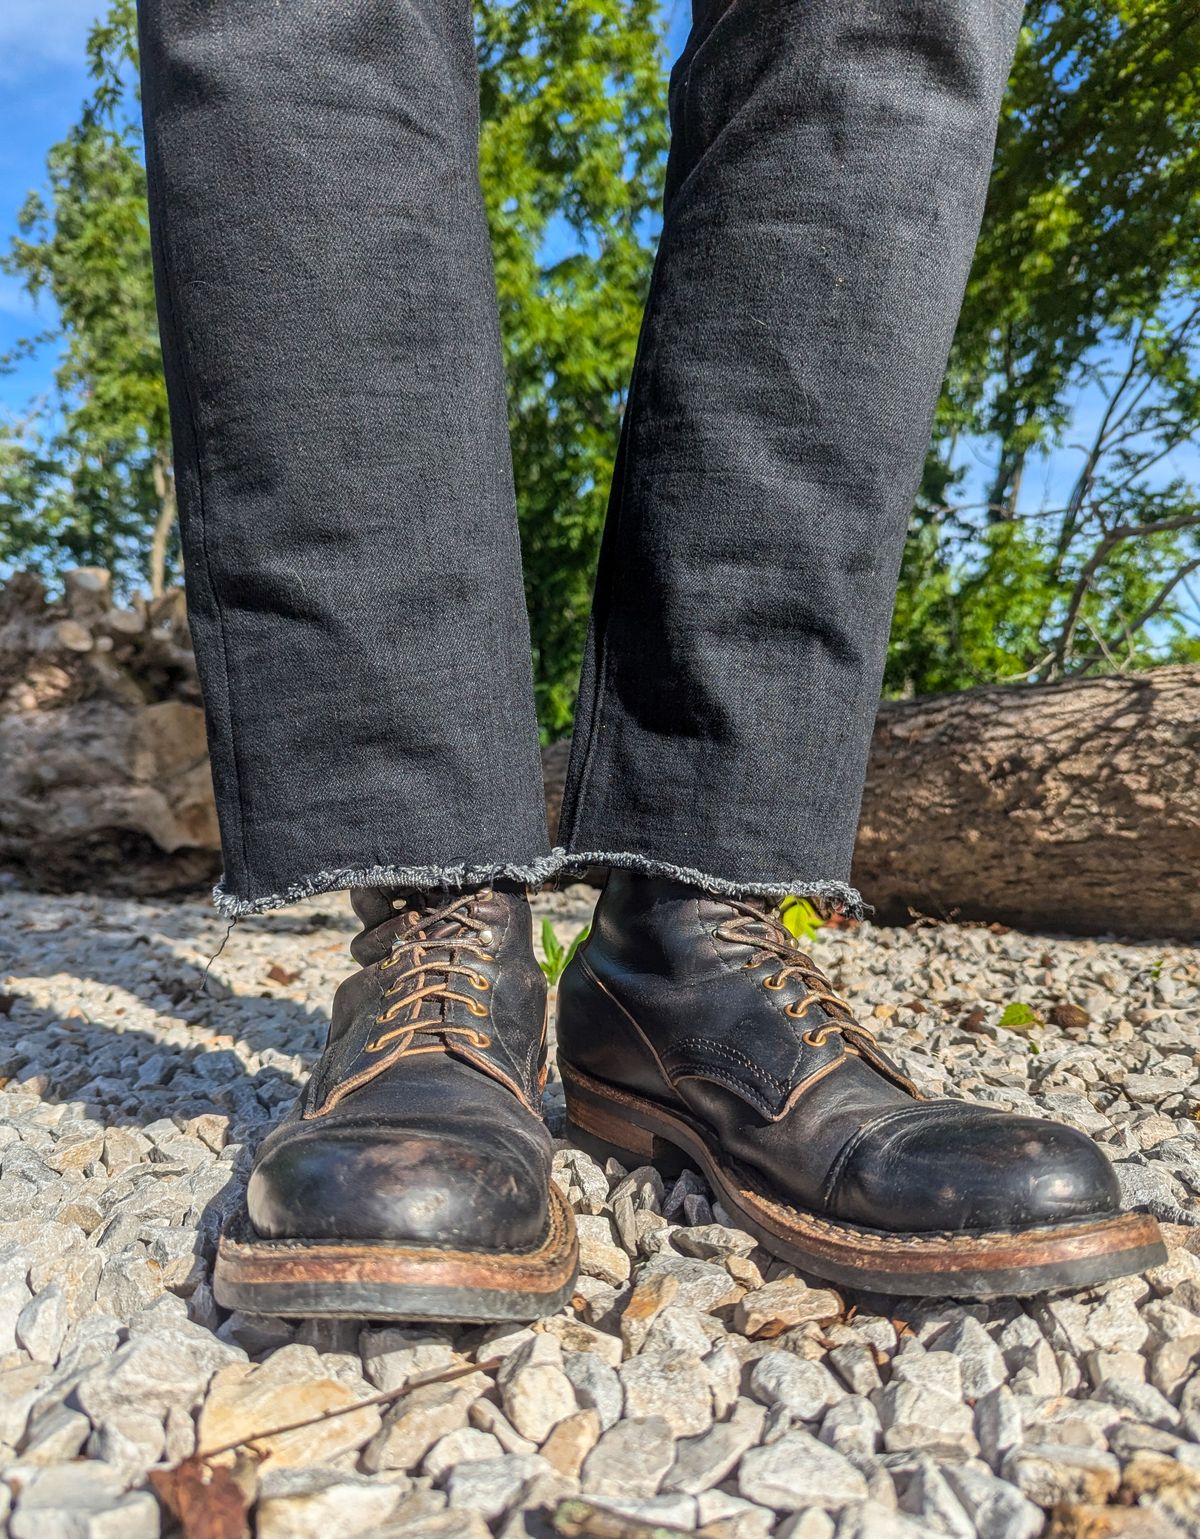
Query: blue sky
[(42, 83)]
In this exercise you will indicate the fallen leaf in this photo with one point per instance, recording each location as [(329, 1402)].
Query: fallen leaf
[(1070, 1017), (7, 1001), (205, 1498), (1019, 1016), (280, 975)]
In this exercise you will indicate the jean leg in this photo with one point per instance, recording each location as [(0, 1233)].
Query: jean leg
[(826, 181), (330, 335)]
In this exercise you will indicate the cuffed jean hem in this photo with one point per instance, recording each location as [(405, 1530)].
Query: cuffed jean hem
[(543, 869), (828, 894), (538, 871)]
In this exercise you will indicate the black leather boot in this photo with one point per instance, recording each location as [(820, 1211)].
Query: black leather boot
[(693, 1025), (412, 1178)]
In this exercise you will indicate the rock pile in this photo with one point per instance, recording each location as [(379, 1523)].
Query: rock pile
[(104, 775), (695, 1384)]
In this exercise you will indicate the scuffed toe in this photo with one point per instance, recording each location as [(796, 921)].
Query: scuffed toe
[(950, 1165), (424, 1190)]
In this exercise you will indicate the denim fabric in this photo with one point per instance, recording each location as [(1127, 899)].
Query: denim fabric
[(827, 176), (331, 340), (353, 569)]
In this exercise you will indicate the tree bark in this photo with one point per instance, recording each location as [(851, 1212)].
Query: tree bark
[(168, 511), (1071, 807), (1065, 807)]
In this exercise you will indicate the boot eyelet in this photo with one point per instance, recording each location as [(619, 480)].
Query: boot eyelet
[(487, 937), (481, 983), (477, 1010), (773, 983)]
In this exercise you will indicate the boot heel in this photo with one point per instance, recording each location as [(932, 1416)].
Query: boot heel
[(600, 1132), (600, 1149), (666, 1158)]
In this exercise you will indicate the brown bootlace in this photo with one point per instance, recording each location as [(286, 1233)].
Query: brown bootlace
[(428, 979), (762, 929)]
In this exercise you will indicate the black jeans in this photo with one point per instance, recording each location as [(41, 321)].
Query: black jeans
[(337, 397)]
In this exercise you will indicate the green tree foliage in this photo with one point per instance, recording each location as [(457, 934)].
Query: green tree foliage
[(91, 479), (574, 136), (1079, 340)]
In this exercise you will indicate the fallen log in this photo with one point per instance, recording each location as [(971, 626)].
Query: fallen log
[(1070, 807)]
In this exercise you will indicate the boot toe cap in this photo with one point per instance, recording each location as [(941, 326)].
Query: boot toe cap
[(949, 1166), (482, 1189)]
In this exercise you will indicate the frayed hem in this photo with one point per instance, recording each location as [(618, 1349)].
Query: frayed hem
[(833, 894), (535, 874)]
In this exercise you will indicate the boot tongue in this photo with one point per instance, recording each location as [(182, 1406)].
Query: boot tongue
[(444, 932), (392, 915), (768, 913)]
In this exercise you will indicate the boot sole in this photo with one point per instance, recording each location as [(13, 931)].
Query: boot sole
[(376, 1280), (607, 1120)]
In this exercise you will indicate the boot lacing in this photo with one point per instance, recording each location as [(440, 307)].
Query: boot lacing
[(764, 931), (432, 978)]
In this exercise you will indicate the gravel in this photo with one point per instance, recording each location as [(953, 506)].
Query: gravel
[(695, 1384)]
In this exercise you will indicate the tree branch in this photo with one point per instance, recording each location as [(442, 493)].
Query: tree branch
[(1146, 615), (1092, 565), (1087, 473), (164, 486)]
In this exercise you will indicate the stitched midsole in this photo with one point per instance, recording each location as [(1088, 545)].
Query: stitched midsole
[(557, 1242), (724, 1172)]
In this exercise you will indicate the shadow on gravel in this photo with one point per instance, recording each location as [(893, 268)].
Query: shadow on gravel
[(133, 1075), (169, 1041)]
